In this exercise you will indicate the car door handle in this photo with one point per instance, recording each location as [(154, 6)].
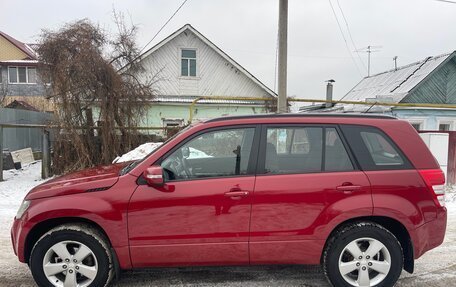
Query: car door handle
[(237, 194), (348, 188)]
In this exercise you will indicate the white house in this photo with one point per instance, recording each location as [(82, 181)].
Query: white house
[(186, 66)]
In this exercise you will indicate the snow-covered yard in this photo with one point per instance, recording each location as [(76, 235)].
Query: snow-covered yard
[(435, 268)]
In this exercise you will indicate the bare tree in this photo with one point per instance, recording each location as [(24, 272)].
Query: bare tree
[(3, 93), (82, 65)]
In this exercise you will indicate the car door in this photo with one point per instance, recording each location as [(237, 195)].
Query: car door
[(201, 215), (306, 181)]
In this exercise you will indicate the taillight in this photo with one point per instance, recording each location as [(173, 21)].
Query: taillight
[(435, 180)]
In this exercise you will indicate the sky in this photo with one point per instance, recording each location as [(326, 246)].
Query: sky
[(247, 31)]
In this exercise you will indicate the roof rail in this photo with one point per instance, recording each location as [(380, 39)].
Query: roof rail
[(306, 115)]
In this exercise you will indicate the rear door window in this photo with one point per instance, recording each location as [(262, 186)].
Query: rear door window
[(374, 149), (305, 149)]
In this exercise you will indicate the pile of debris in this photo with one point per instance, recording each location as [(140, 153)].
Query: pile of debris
[(15, 159)]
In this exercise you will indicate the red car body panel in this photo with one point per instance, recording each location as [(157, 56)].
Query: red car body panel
[(184, 218), (302, 209), (281, 219)]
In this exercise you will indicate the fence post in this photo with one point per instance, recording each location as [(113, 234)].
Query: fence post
[(46, 158), (1, 153)]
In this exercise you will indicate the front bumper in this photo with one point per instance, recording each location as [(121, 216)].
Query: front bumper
[(18, 239)]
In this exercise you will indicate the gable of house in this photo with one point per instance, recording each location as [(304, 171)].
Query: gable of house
[(12, 49), (10, 52), (188, 64), (438, 88)]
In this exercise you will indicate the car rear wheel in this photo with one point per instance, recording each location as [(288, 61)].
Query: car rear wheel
[(71, 256), (363, 254)]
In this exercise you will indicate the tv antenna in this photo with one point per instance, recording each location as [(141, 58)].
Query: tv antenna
[(369, 50), (395, 62)]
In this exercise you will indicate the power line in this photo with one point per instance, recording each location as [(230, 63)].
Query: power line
[(164, 25), (350, 34), (345, 40)]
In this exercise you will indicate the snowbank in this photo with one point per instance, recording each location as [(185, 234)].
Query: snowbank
[(145, 149), (138, 153)]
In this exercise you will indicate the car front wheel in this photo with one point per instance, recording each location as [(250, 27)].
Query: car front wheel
[(363, 254), (71, 256)]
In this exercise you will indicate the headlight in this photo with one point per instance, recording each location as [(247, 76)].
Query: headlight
[(25, 204)]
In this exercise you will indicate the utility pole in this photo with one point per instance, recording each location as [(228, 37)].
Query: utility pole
[(283, 31)]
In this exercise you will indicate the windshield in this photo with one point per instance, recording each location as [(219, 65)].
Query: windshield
[(132, 165)]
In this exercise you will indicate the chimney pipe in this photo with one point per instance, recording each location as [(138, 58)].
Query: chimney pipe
[(329, 93)]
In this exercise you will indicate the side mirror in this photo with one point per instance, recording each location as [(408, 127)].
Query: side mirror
[(154, 176)]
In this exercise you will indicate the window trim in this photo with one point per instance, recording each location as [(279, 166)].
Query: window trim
[(421, 121), (188, 65), (261, 168), (253, 160), (26, 75), (446, 121)]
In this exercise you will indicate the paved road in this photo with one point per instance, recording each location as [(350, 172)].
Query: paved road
[(436, 268)]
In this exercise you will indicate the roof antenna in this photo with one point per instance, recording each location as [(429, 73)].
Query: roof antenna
[(369, 49)]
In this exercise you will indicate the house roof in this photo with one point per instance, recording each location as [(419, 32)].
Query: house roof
[(394, 85), (21, 46), (21, 105), (210, 44)]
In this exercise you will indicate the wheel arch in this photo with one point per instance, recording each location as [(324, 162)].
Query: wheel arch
[(41, 228), (392, 225)]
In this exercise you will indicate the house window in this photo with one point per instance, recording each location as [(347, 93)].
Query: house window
[(444, 127), (22, 75), (417, 126), (188, 63)]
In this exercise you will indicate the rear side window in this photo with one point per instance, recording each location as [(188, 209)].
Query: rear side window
[(374, 149)]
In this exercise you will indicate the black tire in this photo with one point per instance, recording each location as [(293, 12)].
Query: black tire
[(358, 230), (81, 233)]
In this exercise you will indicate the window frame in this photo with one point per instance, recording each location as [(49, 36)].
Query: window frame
[(421, 121), (26, 75), (252, 163), (369, 162), (261, 168), (446, 121), (181, 57)]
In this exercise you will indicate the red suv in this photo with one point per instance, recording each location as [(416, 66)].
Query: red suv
[(360, 195)]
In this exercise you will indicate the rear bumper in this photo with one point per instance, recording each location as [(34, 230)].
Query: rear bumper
[(430, 234)]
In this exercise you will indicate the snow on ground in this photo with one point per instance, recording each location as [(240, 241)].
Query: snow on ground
[(15, 186), (436, 268), (145, 149)]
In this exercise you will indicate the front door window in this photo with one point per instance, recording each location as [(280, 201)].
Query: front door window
[(219, 153)]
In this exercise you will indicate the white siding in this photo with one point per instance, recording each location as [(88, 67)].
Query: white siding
[(215, 76)]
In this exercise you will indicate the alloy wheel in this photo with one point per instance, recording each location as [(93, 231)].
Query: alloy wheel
[(70, 264)]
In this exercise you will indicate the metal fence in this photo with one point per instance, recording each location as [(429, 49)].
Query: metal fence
[(15, 138)]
